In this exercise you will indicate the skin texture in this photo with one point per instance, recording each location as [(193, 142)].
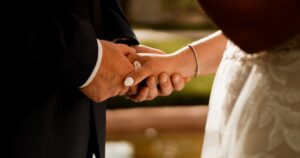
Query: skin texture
[(116, 64), (255, 25), (108, 81), (162, 85), (209, 51)]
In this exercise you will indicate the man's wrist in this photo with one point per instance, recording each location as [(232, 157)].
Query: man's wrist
[(97, 66)]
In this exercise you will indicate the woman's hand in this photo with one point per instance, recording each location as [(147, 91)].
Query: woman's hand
[(156, 64), (157, 68), (161, 85)]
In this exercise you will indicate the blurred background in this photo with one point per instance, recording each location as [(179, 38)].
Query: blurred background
[(167, 127)]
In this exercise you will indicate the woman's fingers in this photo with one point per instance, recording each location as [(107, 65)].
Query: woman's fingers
[(147, 49)]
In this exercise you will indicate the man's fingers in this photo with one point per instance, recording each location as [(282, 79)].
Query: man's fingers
[(126, 49), (178, 82), (132, 90), (136, 77), (132, 57), (166, 87), (151, 84), (141, 96)]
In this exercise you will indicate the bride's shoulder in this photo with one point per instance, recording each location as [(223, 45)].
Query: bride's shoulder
[(255, 25)]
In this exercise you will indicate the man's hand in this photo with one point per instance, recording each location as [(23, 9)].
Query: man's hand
[(108, 81), (163, 85)]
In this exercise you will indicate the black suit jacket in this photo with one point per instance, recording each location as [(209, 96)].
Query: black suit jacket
[(52, 51)]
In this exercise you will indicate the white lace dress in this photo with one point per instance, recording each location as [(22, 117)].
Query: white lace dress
[(254, 109)]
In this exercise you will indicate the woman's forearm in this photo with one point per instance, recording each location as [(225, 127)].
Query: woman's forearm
[(209, 52)]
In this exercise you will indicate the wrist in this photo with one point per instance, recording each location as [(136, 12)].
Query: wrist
[(197, 71), (185, 62), (96, 67)]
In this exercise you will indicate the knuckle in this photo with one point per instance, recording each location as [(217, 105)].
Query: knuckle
[(132, 50)]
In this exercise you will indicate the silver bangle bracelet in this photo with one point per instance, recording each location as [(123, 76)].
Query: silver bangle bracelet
[(197, 72)]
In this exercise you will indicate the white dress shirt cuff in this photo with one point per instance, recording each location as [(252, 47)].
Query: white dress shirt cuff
[(97, 66)]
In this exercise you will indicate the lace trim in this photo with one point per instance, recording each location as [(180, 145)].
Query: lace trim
[(256, 96)]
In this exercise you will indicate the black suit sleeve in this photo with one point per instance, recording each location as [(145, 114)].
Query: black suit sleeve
[(62, 46), (57, 38), (115, 24)]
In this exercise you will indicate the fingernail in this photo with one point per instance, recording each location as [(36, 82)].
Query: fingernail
[(137, 65), (164, 80), (128, 81), (176, 79)]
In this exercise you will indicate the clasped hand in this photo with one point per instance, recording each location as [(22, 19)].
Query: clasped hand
[(117, 65)]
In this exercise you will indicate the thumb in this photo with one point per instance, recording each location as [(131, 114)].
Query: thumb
[(136, 77)]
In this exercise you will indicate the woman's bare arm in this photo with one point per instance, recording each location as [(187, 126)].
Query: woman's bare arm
[(209, 52)]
